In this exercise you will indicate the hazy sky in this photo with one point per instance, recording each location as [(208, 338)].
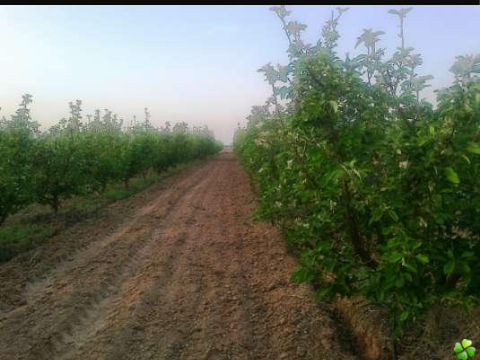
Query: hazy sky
[(189, 63)]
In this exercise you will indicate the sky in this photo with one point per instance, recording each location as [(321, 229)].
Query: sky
[(191, 63)]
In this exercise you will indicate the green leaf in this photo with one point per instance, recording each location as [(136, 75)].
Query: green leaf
[(393, 215), (465, 157), (465, 268), (404, 315), (449, 267), (452, 176), (474, 148), (458, 348), (422, 258), (282, 92), (462, 356), (393, 257), (471, 351), (334, 106), (411, 267)]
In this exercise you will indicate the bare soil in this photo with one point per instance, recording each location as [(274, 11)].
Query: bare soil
[(179, 271)]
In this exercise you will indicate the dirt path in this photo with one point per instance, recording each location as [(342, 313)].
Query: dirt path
[(177, 272)]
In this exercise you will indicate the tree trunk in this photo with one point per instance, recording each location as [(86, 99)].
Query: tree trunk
[(55, 204), (351, 221)]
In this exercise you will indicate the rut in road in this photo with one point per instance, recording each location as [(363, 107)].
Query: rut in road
[(186, 275)]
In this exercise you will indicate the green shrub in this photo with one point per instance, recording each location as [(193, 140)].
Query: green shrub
[(375, 187)]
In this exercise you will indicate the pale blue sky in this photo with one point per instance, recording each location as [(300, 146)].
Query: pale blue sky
[(189, 63)]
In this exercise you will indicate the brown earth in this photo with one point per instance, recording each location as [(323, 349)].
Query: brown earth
[(179, 271)]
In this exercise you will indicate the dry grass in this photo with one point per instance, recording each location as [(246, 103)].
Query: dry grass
[(431, 338), (435, 336)]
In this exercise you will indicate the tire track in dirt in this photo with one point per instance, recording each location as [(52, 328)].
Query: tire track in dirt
[(189, 276), (31, 271), (34, 289), (207, 278), (152, 277), (83, 300), (87, 332), (224, 288)]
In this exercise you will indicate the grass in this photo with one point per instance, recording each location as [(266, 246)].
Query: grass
[(18, 238), (435, 335), (36, 225), (119, 192)]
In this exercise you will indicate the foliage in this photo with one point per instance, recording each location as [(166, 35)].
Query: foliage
[(16, 143), (376, 187), (78, 158)]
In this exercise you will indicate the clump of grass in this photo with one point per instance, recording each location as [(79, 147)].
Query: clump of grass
[(16, 239), (118, 192), (114, 194)]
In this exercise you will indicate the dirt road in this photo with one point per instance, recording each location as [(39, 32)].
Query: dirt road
[(179, 271)]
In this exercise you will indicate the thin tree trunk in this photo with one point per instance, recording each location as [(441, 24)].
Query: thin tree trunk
[(355, 236), (55, 204)]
